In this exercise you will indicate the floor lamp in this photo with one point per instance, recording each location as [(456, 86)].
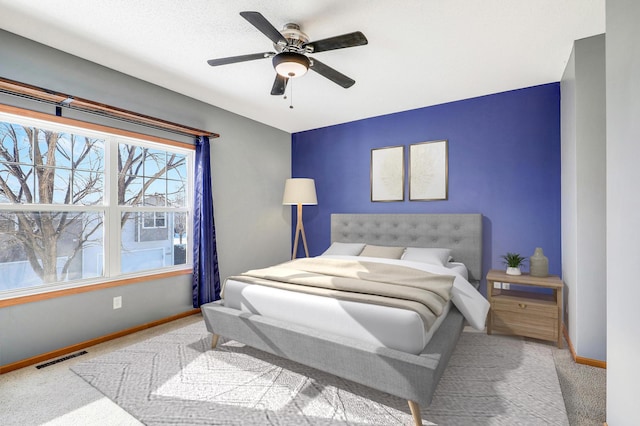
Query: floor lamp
[(299, 191)]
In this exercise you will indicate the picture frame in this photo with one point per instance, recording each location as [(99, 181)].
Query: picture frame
[(387, 174), (429, 171)]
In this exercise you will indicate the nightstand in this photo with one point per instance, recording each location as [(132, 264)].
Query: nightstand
[(525, 313)]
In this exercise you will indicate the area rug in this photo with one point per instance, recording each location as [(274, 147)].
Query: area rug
[(176, 379)]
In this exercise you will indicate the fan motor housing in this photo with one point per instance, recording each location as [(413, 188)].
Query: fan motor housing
[(295, 39)]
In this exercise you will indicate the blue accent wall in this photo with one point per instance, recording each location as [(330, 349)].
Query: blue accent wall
[(504, 162)]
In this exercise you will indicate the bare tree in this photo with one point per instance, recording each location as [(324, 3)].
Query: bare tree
[(130, 162), (180, 221), (45, 167)]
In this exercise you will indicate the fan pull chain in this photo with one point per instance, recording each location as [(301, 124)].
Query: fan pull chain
[(290, 87), (291, 93)]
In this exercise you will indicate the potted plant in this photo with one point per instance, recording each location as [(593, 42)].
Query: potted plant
[(513, 262)]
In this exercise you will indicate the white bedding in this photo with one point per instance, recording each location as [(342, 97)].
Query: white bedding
[(467, 299), (390, 327)]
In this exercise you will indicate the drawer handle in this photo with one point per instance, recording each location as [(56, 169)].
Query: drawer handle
[(522, 305)]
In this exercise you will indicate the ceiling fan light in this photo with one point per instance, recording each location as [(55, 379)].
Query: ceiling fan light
[(290, 64)]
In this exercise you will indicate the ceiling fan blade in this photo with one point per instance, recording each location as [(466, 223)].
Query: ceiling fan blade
[(241, 58), (337, 42), (331, 74), (260, 22), (279, 85)]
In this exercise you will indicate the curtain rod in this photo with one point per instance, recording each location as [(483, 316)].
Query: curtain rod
[(23, 90)]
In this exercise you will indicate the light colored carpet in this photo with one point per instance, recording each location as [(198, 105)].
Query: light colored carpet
[(583, 388), (175, 378)]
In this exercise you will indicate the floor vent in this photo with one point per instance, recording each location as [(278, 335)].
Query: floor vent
[(64, 358)]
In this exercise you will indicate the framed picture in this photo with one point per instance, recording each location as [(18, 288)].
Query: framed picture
[(387, 174), (428, 171)]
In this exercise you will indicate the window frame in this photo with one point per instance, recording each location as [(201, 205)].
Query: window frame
[(111, 224)]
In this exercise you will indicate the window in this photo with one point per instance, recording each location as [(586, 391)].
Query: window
[(79, 206), (154, 220)]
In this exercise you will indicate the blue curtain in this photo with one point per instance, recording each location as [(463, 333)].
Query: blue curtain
[(206, 278)]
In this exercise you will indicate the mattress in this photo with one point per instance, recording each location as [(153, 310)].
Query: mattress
[(383, 326)]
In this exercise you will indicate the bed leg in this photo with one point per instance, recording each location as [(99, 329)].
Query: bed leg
[(214, 341), (415, 412)]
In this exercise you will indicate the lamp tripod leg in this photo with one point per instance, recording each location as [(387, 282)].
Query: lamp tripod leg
[(304, 239), (300, 230), (295, 242)]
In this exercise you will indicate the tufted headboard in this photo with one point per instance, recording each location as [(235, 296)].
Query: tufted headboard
[(462, 233)]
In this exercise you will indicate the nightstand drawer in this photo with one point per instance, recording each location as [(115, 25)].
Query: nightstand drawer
[(524, 307), (525, 323)]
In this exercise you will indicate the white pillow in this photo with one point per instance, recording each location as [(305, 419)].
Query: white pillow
[(434, 256), (344, 249)]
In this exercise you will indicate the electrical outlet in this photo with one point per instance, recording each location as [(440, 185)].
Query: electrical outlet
[(506, 286), (117, 302), (497, 285)]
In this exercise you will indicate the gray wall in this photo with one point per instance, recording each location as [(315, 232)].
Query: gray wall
[(623, 211), (583, 130), (250, 162)]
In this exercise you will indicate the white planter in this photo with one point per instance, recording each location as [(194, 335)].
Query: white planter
[(513, 271)]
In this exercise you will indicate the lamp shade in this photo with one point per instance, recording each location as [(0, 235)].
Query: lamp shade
[(291, 64), (299, 191)]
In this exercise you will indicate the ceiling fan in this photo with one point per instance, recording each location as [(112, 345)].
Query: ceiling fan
[(292, 47)]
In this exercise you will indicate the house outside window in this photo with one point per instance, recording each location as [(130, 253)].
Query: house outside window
[(75, 205)]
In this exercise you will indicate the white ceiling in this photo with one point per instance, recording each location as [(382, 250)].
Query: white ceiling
[(420, 52)]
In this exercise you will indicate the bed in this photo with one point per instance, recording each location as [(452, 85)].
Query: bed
[(407, 351)]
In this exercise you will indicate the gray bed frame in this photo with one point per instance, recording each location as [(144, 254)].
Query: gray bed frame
[(408, 376)]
